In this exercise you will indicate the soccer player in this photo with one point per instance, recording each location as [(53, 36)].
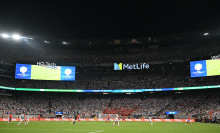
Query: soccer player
[(38, 117), (27, 118), (123, 119), (62, 118), (188, 121), (150, 119), (116, 120), (78, 118), (9, 118), (74, 121), (108, 120), (22, 119)]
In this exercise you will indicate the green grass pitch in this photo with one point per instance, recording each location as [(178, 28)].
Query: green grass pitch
[(44, 73), (213, 67), (102, 127)]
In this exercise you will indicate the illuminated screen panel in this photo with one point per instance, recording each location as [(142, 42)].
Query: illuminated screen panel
[(213, 67), (27, 71), (205, 68), (198, 68), (23, 71), (111, 91), (45, 73), (172, 112)]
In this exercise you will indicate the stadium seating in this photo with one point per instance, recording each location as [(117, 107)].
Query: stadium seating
[(192, 102), (169, 67)]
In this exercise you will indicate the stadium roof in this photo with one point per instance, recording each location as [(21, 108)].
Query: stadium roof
[(95, 19)]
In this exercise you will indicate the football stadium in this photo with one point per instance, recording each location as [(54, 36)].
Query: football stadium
[(96, 67)]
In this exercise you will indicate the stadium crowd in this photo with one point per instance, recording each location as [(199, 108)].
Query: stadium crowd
[(95, 67), (170, 69), (191, 102), (117, 81)]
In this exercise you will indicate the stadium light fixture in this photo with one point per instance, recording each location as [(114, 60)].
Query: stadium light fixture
[(5, 35), (64, 42), (206, 34), (16, 37), (47, 42)]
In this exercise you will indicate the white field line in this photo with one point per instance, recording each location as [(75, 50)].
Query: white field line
[(57, 129)]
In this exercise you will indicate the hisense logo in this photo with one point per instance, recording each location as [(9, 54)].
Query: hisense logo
[(120, 66)]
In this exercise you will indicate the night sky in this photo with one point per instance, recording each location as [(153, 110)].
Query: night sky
[(96, 19)]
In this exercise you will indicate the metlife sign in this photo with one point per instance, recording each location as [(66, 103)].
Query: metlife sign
[(136, 66)]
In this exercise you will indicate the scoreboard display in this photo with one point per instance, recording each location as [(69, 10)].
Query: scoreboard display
[(205, 68), (36, 72)]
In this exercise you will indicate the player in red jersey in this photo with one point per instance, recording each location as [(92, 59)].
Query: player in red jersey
[(108, 120), (78, 118), (9, 118), (188, 121), (38, 117), (123, 119)]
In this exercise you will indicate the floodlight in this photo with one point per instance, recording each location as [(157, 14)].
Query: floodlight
[(46, 41), (16, 37), (64, 42), (30, 38), (205, 34), (5, 35)]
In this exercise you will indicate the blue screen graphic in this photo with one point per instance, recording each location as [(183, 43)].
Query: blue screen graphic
[(67, 73), (59, 113), (198, 68), (171, 112), (23, 71)]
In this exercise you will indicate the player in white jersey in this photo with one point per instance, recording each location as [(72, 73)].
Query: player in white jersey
[(8, 118), (150, 119), (62, 118), (27, 118), (116, 120), (22, 119)]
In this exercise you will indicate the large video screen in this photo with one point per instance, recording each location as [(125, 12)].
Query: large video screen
[(205, 68), (27, 71)]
